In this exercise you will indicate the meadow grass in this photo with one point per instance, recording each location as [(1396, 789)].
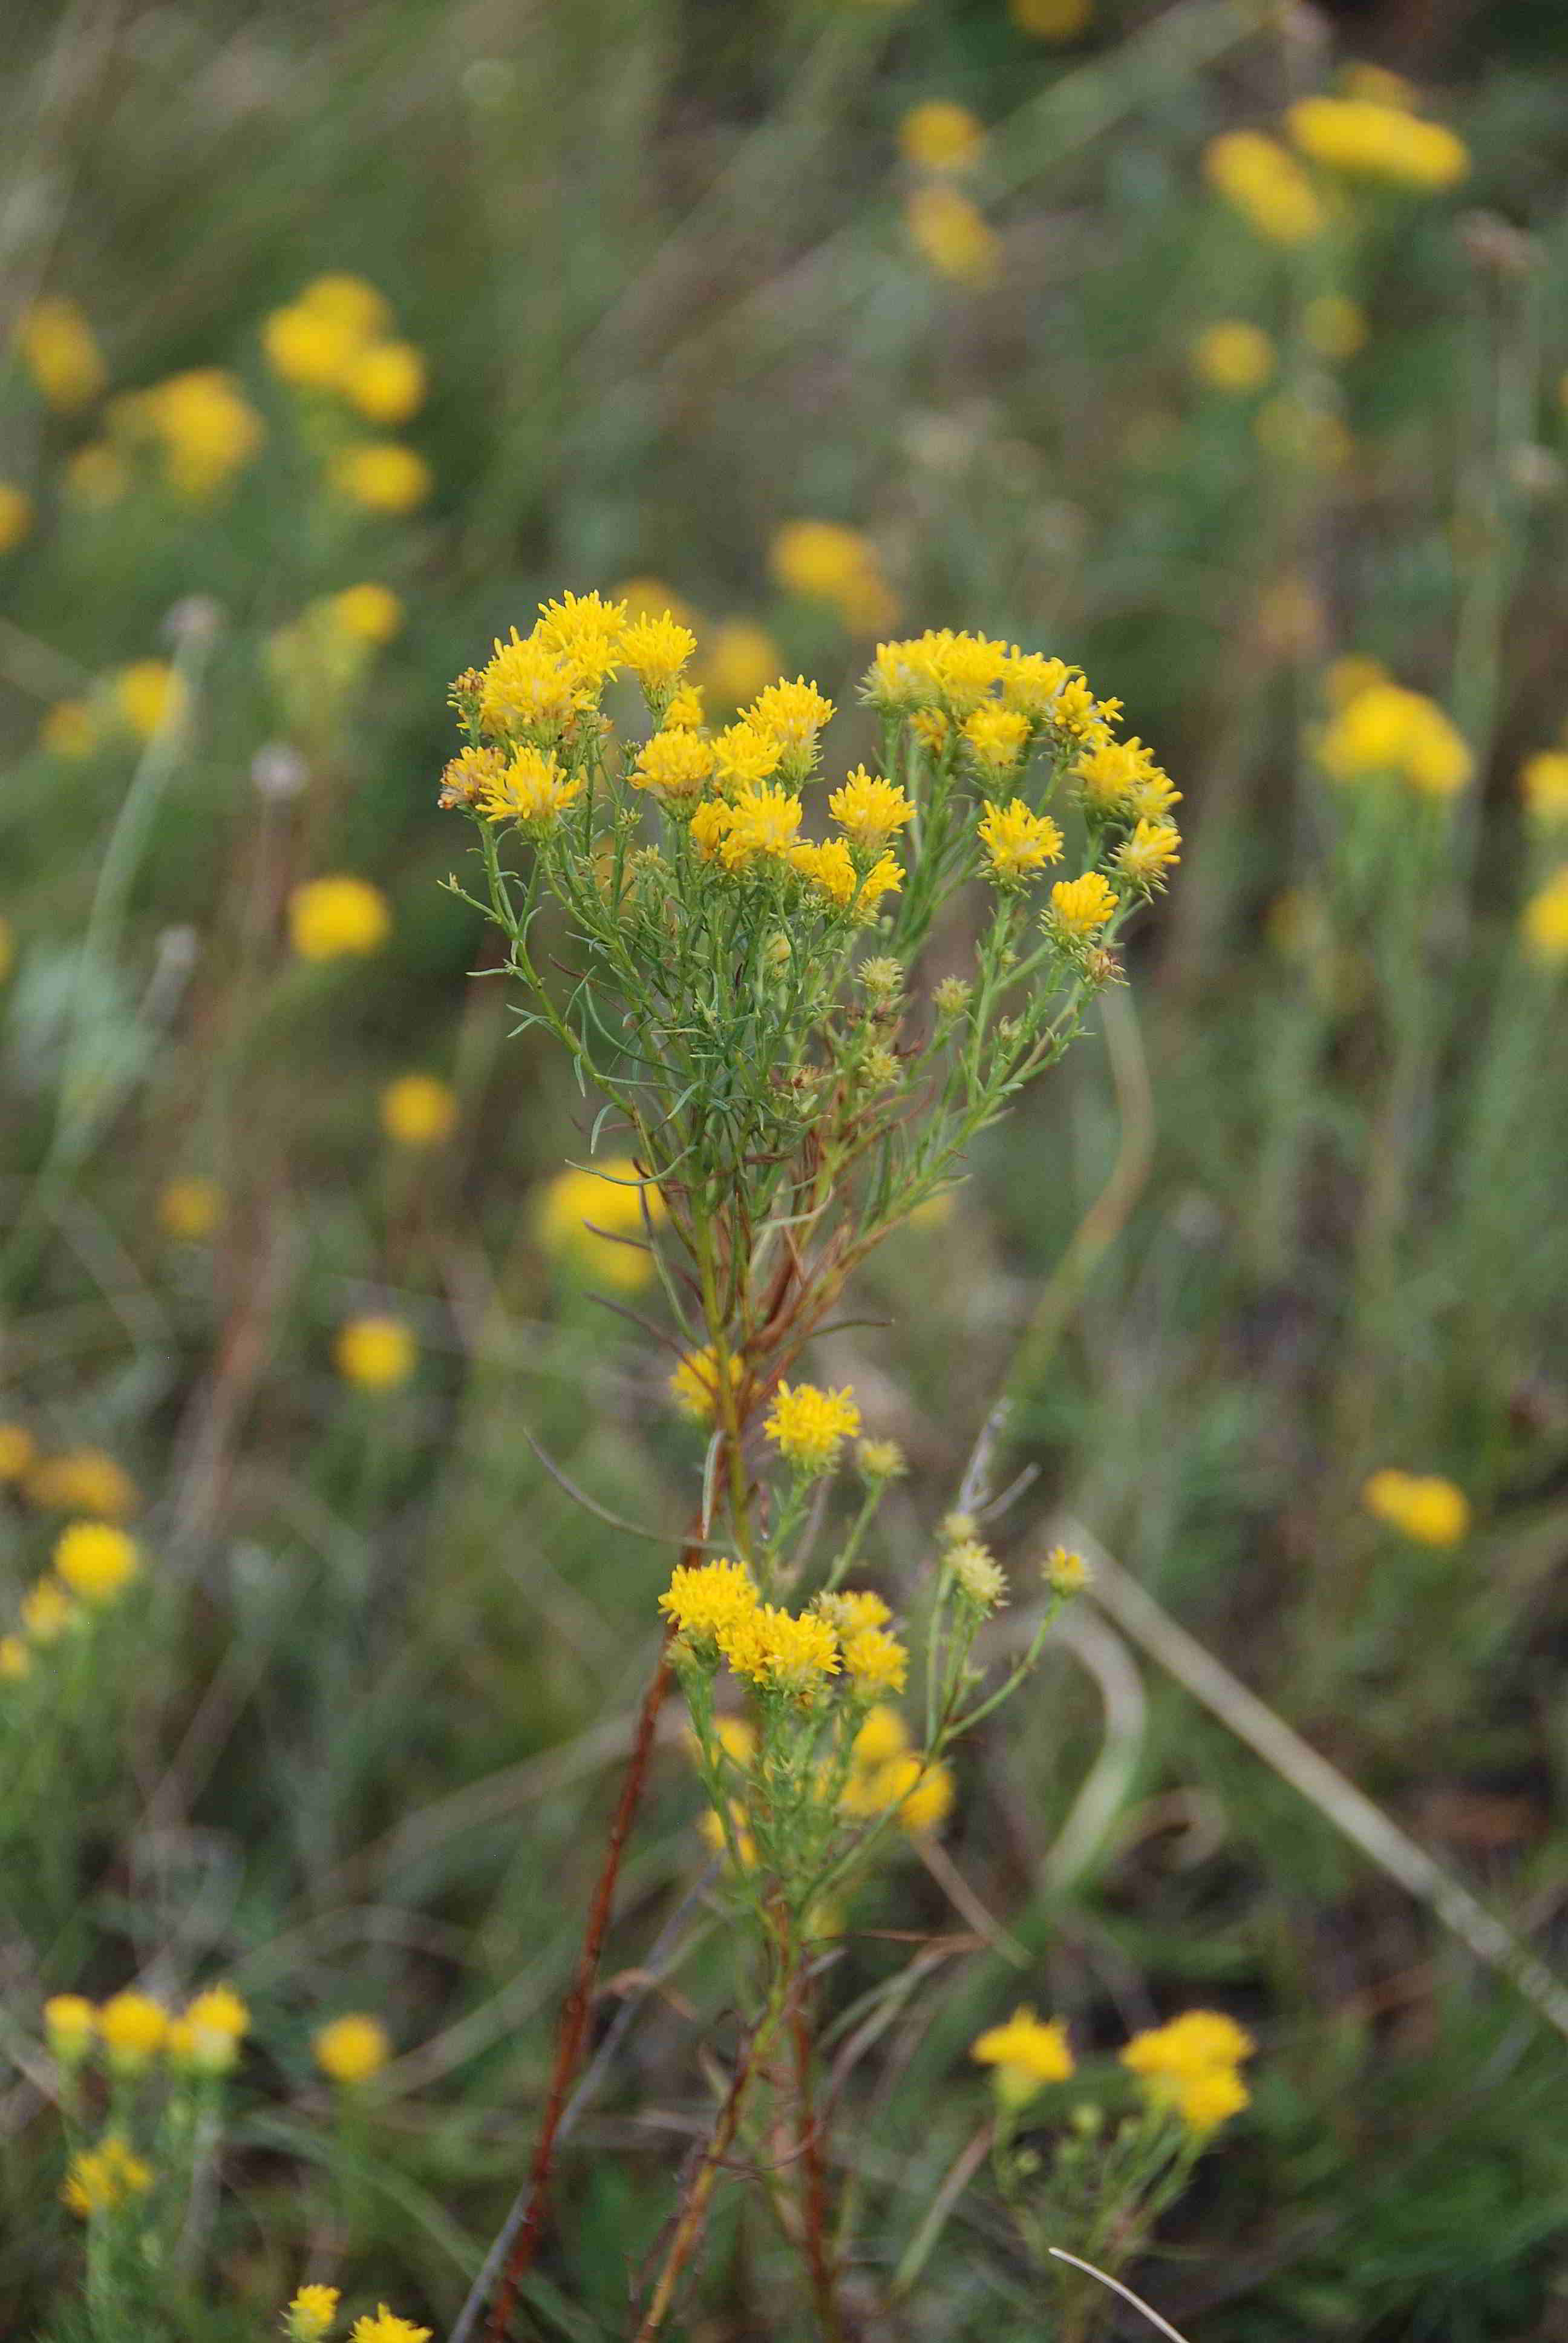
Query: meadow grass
[(1271, 1269)]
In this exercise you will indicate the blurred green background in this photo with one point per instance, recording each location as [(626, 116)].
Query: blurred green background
[(680, 278)]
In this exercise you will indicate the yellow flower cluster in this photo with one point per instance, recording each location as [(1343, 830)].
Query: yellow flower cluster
[(952, 235), (598, 1220), (1262, 181), (189, 1210), (809, 1426), (716, 1609), (103, 2178), (1367, 139), (134, 2029), (887, 1774), (1384, 730), (94, 1562), (335, 338), (418, 1111), (200, 426), (310, 2313), (1233, 355), (1545, 920), (940, 136), (826, 562), (97, 1561), (80, 1481), (377, 1354), (1192, 2065), (1027, 2053), (1421, 1506), (338, 917), (694, 1384)]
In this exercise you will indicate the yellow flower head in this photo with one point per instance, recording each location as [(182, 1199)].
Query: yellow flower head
[(350, 2050), (833, 564), (1421, 1506), (882, 1736), (853, 1608), (1018, 843), (1066, 1573), (533, 788), (365, 614), (923, 1794), (47, 1611), (875, 1661), (386, 2328), (418, 1111), (997, 737), (706, 1600), (102, 2178), (1190, 2065), (310, 2315), (1107, 776), (807, 1426), (149, 697), (779, 1651), (1027, 2053), (763, 821), (387, 382), (795, 714), (97, 1561), (1148, 854), (684, 709), (353, 303), (676, 766), (190, 1209), (585, 629), (1389, 732), (310, 348), (15, 514), (1232, 354), (338, 917), (1365, 139), (134, 2028), (1544, 921), (1264, 183), (870, 811), (953, 235), (940, 136), (377, 1355), (694, 1385), (60, 351), (745, 755), (83, 1481), (583, 1216), (528, 688), (1543, 779), (211, 2030), (1080, 907), (977, 1572), (384, 477), (71, 2023), (656, 650), (738, 661), (205, 427), (711, 826)]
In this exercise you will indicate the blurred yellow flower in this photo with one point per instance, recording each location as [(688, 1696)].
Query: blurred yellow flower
[(1051, 20), (378, 1353), (15, 1660), (1334, 327), (352, 2050), (1421, 1506), (69, 728), (418, 1111), (1191, 2066), (386, 2328), (47, 1611), (15, 514), (613, 1199), (310, 348), (1385, 730), (206, 427), (650, 598), (1263, 182), (940, 136), (387, 382), (355, 304), (694, 1383), (1365, 139), (71, 2023), (1232, 354), (833, 564), (133, 2027), (370, 614), (311, 2313), (149, 697), (384, 477), (102, 2178), (1544, 783), (1028, 2053), (60, 351), (329, 918), (97, 1561), (190, 1209), (212, 2027), (17, 1451), (1544, 921), (953, 235), (82, 1481), (740, 659), (1352, 673)]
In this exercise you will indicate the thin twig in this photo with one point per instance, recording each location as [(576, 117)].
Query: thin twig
[(1124, 2291)]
